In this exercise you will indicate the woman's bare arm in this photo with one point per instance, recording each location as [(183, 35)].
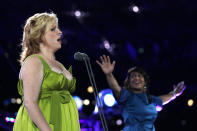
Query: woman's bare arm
[(108, 67), (178, 90), (113, 84), (32, 76)]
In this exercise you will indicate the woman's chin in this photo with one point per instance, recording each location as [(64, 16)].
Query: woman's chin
[(57, 48), (136, 88)]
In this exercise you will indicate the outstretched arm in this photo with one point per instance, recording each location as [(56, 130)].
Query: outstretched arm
[(108, 67), (178, 90)]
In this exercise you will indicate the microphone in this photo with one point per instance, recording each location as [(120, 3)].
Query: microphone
[(80, 56), (84, 57)]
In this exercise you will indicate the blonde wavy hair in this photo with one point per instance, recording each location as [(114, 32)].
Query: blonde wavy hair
[(34, 30)]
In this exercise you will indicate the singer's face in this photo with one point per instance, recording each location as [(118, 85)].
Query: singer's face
[(52, 36), (137, 80)]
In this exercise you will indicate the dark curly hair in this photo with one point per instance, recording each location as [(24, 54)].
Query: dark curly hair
[(146, 78)]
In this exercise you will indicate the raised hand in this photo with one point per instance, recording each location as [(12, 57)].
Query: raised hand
[(106, 64), (179, 88)]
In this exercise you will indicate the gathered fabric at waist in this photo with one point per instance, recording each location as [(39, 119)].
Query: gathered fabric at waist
[(56, 97)]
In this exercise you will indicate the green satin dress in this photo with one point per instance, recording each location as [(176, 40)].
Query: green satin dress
[(55, 101)]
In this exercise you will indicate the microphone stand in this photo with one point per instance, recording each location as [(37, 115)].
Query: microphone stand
[(93, 83)]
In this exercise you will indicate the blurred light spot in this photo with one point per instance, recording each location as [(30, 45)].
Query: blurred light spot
[(86, 102), (141, 50), (190, 102), (106, 99), (90, 89), (135, 9), (100, 94), (12, 120), (109, 47), (77, 13), (119, 122), (95, 110), (109, 100), (13, 100), (18, 101), (9, 119), (106, 44), (158, 108), (78, 102)]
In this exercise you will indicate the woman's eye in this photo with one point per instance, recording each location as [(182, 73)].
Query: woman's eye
[(53, 29)]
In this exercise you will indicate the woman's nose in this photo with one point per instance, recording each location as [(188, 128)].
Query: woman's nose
[(137, 77), (59, 32)]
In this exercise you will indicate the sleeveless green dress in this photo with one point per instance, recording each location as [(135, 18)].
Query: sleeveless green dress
[(55, 101)]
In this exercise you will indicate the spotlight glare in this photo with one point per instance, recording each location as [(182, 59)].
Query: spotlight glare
[(77, 13), (7, 119), (109, 100), (190, 102), (13, 100), (95, 110), (100, 94), (135, 9), (141, 50), (18, 101), (90, 89), (106, 44), (119, 122), (158, 108), (86, 102), (12, 120), (78, 101)]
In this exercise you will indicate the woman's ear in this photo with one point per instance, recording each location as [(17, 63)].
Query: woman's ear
[(42, 39)]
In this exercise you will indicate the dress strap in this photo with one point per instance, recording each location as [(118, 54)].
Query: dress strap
[(70, 69), (46, 66)]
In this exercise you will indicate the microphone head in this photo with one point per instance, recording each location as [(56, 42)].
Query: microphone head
[(80, 56)]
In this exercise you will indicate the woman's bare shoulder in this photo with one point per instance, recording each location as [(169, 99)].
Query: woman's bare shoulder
[(30, 66)]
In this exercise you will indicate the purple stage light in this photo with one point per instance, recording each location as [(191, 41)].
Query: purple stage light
[(7, 119), (158, 108)]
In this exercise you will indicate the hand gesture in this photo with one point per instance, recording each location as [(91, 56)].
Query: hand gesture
[(106, 64), (179, 88)]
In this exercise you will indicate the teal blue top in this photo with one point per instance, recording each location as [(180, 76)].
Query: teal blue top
[(138, 113)]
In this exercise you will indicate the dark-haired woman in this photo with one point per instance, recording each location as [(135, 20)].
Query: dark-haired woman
[(138, 106)]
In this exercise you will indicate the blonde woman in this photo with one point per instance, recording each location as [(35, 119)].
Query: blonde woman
[(44, 83)]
